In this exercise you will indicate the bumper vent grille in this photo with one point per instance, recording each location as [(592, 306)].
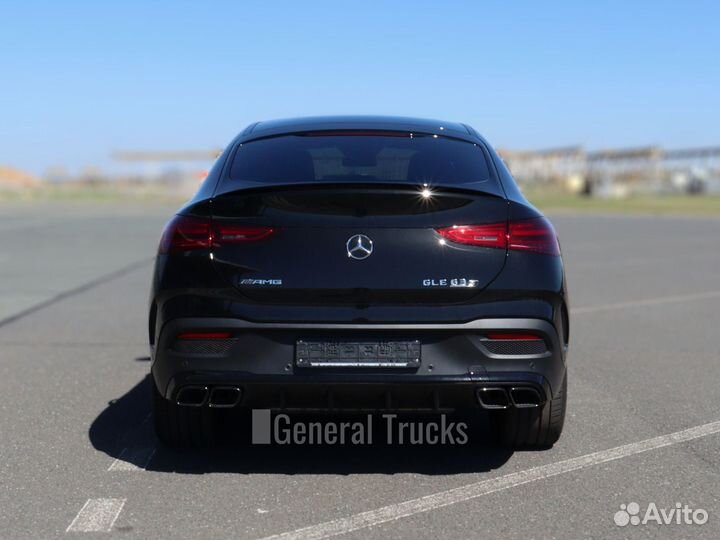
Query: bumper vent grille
[(203, 346), (509, 347)]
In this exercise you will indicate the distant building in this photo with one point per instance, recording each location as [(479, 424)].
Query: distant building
[(14, 179), (617, 172)]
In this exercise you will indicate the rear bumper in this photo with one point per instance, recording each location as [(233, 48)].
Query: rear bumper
[(260, 359)]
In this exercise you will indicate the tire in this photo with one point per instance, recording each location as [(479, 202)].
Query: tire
[(182, 427), (533, 429)]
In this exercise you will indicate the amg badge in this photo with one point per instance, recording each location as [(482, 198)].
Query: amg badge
[(450, 282), (261, 282)]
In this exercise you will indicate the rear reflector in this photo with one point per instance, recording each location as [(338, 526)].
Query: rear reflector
[(514, 344), (513, 337), (532, 235), (204, 335), (185, 233)]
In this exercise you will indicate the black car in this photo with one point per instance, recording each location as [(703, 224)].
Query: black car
[(359, 263)]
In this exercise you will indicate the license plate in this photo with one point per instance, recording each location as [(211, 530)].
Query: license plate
[(358, 354)]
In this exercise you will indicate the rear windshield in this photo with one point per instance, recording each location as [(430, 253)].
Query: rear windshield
[(361, 157)]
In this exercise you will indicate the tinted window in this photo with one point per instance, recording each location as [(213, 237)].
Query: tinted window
[(361, 157)]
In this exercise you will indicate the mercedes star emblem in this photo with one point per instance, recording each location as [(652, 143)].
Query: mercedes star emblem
[(359, 247)]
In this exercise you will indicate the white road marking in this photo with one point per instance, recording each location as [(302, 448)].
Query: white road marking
[(132, 459), (412, 507), (97, 515), (649, 302)]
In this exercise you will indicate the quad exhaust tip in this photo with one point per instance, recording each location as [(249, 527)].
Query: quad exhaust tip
[(192, 396), (525, 397), (218, 397), (493, 398), (522, 397), (224, 396)]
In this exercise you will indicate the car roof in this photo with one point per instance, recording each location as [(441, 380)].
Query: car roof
[(388, 123)]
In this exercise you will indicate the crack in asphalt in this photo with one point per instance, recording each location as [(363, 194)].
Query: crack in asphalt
[(76, 290)]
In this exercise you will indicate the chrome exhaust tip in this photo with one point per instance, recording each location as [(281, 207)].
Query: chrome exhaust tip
[(192, 396), (224, 396), (525, 397), (493, 398)]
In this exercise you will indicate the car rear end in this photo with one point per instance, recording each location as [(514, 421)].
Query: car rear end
[(358, 269)]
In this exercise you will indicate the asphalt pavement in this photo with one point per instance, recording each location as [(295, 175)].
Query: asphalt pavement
[(78, 457)]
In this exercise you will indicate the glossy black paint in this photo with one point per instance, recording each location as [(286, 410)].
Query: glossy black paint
[(324, 293)]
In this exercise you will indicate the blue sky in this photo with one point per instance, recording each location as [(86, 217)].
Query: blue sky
[(80, 79)]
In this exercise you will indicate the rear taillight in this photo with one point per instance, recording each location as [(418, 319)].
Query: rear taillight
[(534, 235), (185, 234), (493, 235), (232, 234)]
